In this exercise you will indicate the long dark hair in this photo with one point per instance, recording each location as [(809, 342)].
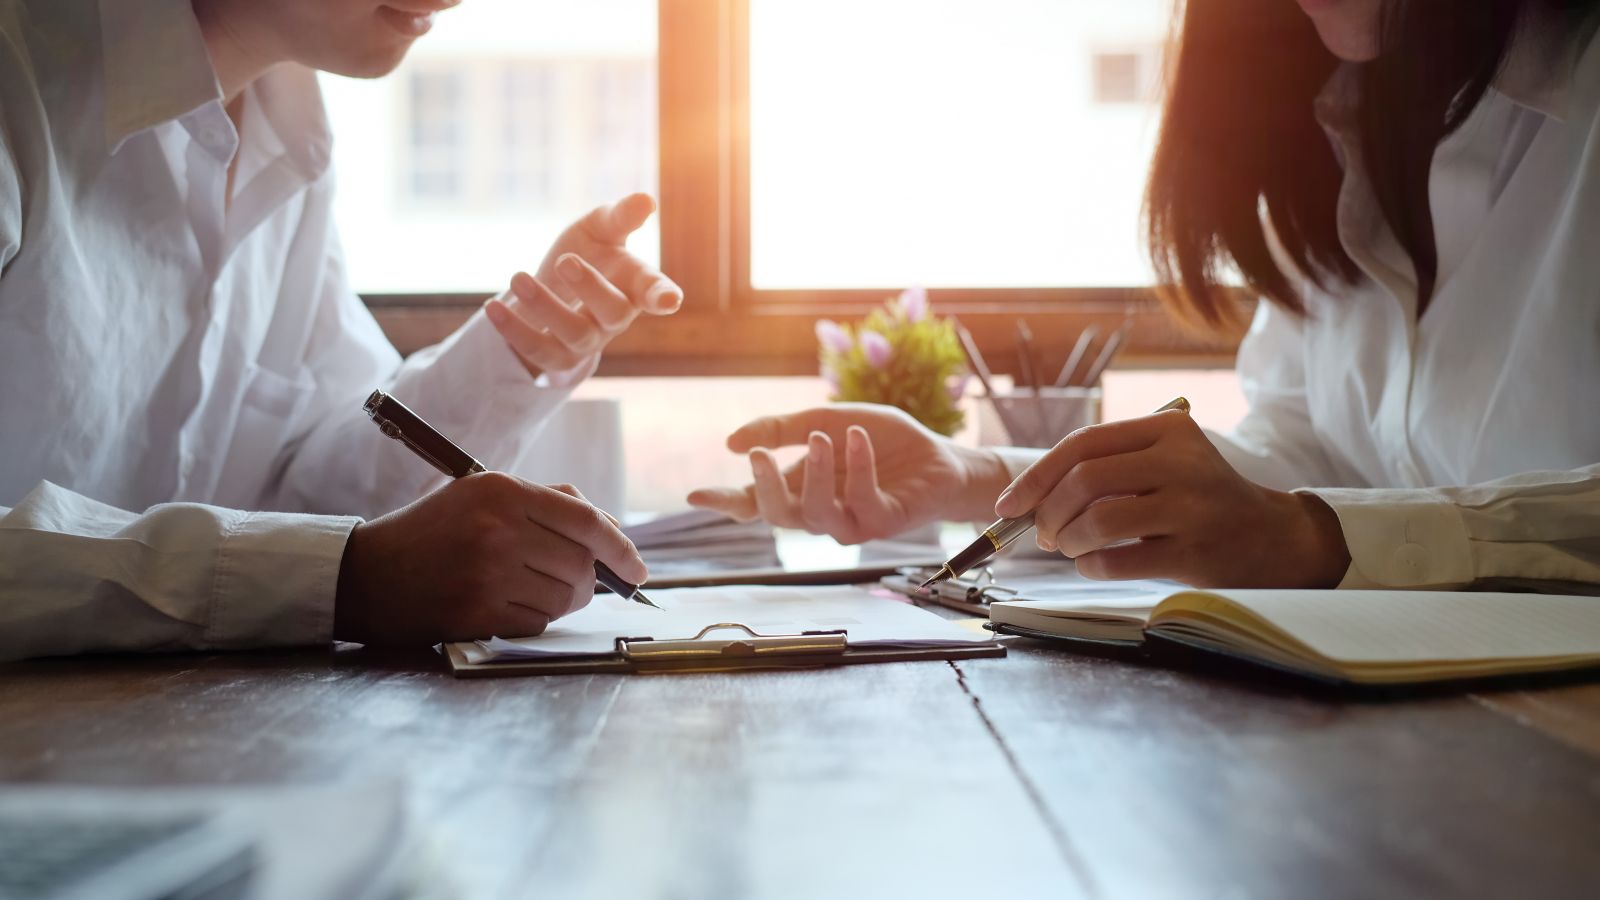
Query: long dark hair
[(1241, 150)]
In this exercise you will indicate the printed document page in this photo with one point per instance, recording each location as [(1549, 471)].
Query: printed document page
[(869, 615)]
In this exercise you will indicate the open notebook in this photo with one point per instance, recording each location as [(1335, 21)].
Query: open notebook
[(1366, 637)]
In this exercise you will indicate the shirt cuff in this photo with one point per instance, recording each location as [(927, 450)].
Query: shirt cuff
[(516, 398), (570, 378), (1409, 539), (276, 578)]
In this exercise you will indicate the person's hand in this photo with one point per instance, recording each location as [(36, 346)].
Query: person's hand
[(869, 472), (589, 289), (1152, 498), (486, 555)]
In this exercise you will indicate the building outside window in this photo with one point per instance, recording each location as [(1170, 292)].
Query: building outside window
[(436, 158), (528, 133)]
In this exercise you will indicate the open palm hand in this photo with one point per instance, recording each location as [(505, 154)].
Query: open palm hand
[(892, 474)]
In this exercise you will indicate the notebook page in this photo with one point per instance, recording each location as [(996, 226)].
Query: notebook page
[(868, 617), (1376, 627), (1071, 596)]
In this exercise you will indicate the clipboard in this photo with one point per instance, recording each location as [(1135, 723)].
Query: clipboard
[(969, 595), (747, 650)]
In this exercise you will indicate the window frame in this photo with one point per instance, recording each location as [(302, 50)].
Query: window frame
[(726, 326)]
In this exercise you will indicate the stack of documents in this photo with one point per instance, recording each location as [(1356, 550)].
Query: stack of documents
[(701, 541)]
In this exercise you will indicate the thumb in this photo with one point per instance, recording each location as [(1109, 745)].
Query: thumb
[(788, 430), (612, 224), (739, 503)]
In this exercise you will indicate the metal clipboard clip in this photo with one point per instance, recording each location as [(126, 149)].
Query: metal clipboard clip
[(978, 590), (753, 645)]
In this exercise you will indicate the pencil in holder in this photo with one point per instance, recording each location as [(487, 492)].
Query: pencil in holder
[(1026, 419)]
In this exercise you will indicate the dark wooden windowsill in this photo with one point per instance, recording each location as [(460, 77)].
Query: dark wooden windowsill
[(778, 337)]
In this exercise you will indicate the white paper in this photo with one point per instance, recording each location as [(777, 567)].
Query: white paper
[(870, 618), (1067, 596)]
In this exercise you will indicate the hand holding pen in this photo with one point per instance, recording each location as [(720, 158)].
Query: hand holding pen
[(1004, 532), (1152, 497), (487, 554)]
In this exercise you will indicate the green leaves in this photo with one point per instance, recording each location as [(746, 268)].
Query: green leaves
[(899, 356)]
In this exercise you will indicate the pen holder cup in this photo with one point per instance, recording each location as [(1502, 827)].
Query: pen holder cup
[(1021, 419)]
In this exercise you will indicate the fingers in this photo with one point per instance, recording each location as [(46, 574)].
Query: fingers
[(601, 299), (659, 295), (562, 567), (777, 431), (571, 490), (774, 501), (875, 512), (587, 526), (1149, 558), (739, 503), (518, 620), (1089, 481), (1111, 522), (646, 288), (612, 224), (1039, 479), (795, 428), (563, 571), (543, 308), (819, 506), (537, 348)]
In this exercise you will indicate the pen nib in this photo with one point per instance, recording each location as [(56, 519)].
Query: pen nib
[(943, 573), (639, 597)]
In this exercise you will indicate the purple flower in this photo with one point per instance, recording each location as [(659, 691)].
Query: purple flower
[(914, 303), (832, 337), (876, 347), (958, 388)]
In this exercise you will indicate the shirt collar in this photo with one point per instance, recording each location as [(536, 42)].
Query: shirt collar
[(157, 69), (156, 65), (290, 105)]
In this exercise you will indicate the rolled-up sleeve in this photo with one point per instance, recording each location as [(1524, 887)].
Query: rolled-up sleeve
[(1536, 526), (470, 386), (78, 576)]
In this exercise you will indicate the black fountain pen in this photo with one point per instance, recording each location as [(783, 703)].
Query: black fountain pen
[(397, 421), (999, 536)]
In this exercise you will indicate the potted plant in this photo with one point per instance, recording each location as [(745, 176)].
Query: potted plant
[(899, 355)]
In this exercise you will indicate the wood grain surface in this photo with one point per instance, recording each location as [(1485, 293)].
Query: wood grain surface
[(1043, 774)]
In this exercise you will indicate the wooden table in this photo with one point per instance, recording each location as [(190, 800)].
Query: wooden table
[(1043, 774)]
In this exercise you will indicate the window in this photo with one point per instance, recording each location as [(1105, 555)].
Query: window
[(527, 156), (437, 162), (506, 123), (623, 129), (810, 158), (945, 143)]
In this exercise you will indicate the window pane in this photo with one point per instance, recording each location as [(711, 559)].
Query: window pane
[(951, 143), (504, 125)]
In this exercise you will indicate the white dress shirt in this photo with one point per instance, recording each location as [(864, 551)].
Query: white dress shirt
[(1463, 446), (169, 357)]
